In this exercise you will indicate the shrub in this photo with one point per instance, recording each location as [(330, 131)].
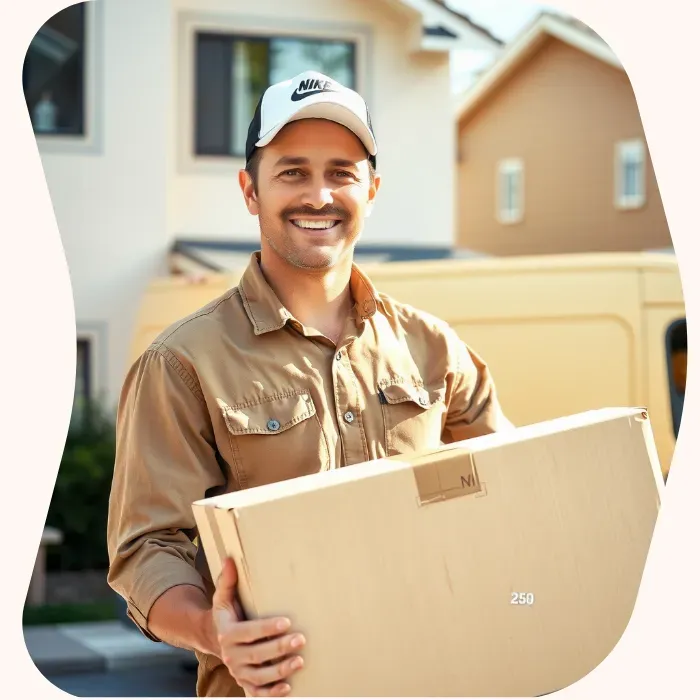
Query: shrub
[(81, 495)]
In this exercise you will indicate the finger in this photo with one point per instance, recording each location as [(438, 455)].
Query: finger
[(264, 651), (254, 631), (275, 691), (267, 675)]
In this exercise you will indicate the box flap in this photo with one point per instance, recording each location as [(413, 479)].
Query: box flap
[(427, 486)]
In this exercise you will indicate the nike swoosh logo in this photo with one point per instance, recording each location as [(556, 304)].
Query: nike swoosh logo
[(296, 95)]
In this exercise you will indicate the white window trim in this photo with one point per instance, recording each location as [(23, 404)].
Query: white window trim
[(622, 202), (91, 141), (510, 165), (190, 23)]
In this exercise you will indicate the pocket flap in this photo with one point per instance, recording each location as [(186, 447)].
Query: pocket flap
[(407, 391), (269, 416)]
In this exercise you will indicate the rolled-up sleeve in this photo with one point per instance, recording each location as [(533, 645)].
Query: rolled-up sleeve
[(473, 407), (165, 460)]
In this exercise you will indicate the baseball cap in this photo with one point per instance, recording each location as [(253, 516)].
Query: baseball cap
[(310, 95)]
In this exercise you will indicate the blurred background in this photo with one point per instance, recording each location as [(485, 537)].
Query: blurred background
[(513, 157)]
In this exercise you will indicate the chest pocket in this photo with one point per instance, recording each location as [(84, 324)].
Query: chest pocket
[(413, 416), (276, 438)]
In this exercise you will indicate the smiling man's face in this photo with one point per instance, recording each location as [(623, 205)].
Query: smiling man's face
[(314, 186)]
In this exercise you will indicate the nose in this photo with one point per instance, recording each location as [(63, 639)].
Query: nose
[(318, 194)]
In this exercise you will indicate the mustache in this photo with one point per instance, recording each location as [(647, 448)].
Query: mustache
[(331, 211)]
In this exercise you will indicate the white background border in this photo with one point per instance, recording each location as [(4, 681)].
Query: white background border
[(657, 656)]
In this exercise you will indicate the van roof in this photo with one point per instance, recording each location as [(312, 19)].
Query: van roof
[(578, 261)]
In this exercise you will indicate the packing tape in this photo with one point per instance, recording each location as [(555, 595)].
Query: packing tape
[(453, 477)]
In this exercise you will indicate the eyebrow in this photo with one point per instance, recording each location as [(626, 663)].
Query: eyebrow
[(299, 160)]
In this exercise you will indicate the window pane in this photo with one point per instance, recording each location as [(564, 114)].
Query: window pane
[(510, 185), (232, 73), (289, 57), (53, 74), (677, 355), (510, 192), (249, 81), (503, 206), (631, 178), (82, 373), (213, 74)]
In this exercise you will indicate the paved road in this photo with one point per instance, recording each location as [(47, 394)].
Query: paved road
[(166, 681)]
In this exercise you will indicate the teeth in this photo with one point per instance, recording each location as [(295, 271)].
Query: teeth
[(314, 224)]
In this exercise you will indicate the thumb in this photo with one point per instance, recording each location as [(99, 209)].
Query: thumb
[(223, 602), (226, 585)]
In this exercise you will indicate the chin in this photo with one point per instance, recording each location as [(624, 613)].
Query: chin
[(314, 259)]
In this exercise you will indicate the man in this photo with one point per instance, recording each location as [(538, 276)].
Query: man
[(302, 367)]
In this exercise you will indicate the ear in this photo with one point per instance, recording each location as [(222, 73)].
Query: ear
[(251, 199), (373, 189)]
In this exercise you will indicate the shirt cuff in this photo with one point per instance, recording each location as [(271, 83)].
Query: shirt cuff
[(152, 584)]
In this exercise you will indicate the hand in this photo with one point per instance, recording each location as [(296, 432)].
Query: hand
[(261, 655)]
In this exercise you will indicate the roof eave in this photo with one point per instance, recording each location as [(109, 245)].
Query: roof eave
[(466, 34), (473, 41)]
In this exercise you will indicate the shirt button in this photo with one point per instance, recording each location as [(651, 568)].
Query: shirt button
[(423, 401), (349, 417), (339, 356), (273, 425)]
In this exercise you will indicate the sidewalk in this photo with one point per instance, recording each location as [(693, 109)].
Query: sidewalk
[(96, 646)]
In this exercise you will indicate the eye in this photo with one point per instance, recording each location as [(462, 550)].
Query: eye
[(291, 173), (343, 174)]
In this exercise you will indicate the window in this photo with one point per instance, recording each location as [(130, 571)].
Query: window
[(630, 176), (510, 191), (232, 73), (83, 374), (53, 75), (677, 355)]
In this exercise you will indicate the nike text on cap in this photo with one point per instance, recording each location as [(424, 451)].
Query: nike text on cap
[(310, 95)]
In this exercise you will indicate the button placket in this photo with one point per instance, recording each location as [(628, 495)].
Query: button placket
[(350, 424)]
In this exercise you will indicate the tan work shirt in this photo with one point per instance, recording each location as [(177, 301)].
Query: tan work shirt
[(241, 394)]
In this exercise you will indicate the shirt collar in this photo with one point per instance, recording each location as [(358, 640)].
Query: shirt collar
[(267, 313)]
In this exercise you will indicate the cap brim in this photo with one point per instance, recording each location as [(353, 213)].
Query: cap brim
[(324, 107)]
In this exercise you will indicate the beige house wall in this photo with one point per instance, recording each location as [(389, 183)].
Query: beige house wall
[(122, 193), (561, 113), (408, 94)]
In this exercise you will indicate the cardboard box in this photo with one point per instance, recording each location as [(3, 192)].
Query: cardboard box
[(505, 565)]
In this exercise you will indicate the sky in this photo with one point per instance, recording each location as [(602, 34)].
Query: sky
[(504, 18)]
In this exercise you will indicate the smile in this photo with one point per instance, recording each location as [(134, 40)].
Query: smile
[(315, 224)]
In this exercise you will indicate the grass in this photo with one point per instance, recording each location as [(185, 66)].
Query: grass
[(69, 612)]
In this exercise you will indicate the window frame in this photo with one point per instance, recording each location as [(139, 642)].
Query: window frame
[(190, 23), (90, 140), (510, 166), (625, 202)]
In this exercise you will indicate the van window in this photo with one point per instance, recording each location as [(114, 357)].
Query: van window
[(677, 358)]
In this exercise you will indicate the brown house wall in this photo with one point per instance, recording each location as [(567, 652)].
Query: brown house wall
[(561, 113)]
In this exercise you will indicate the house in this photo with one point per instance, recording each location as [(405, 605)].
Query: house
[(551, 151), (140, 110)]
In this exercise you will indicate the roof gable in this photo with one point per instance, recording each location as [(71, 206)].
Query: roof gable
[(569, 31)]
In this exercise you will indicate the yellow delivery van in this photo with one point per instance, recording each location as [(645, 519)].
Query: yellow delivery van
[(562, 334)]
